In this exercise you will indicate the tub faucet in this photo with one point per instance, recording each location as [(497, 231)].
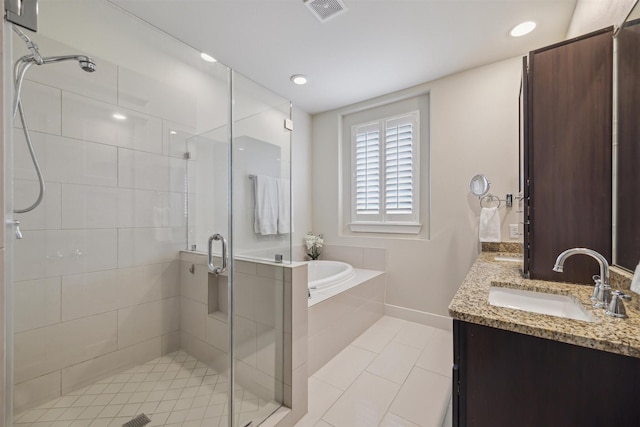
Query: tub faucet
[(602, 290)]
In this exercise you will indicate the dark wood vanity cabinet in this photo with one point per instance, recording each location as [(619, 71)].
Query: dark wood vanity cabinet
[(507, 379), (567, 116)]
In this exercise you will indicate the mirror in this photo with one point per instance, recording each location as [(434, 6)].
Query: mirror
[(479, 185), (626, 143)]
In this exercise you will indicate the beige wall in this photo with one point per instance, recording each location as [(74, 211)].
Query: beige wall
[(474, 129)]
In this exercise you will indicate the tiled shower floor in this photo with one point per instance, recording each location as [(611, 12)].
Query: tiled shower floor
[(173, 390)]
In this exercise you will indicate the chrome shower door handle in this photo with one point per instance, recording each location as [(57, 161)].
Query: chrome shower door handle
[(225, 257)]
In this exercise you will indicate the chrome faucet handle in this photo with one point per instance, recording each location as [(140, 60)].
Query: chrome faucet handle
[(616, 307), (598, 281), (603, 296)]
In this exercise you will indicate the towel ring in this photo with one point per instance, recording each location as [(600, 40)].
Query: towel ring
[(490, 198)]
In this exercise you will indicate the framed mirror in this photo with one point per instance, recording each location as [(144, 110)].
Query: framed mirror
[(479, 185), (626, 143)]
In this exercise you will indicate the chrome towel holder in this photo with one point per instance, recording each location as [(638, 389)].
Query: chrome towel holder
[(489, 198)]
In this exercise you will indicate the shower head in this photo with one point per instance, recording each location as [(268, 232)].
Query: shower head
[(85, 62)]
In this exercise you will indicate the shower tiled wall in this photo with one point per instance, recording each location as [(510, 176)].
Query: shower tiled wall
[(97, 274)]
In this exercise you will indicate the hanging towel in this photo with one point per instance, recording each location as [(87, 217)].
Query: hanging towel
[(266, 205), (489, 225), (284, 206), (635, 282)]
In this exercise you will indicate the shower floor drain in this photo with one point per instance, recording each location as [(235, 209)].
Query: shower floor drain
[(139, 421)]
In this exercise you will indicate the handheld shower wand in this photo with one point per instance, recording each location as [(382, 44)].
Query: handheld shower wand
[(20, 69)]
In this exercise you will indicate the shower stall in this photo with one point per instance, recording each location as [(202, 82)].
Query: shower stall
[(139, 288)]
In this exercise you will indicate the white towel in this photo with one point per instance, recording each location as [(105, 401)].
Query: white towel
[(489, 225), (284, 206), (266, 205), (635, 282)]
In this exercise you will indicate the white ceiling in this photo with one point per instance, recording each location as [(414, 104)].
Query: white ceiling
[(376, 47)]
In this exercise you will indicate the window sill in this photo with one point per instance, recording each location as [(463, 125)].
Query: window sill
[(391, 228)]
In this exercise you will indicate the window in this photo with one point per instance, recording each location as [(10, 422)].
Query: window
[(385, 169)]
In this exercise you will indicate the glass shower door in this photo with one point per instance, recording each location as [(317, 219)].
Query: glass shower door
[(261, 233)]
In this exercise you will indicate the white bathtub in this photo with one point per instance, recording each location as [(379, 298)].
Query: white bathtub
[(326, 274)]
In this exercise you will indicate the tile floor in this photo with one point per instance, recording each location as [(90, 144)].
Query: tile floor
[(173, 390), (397, 373)]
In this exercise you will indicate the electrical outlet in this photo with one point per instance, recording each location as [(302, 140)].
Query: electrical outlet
[(513, 231)]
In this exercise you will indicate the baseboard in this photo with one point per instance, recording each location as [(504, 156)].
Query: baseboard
[(429, 319)]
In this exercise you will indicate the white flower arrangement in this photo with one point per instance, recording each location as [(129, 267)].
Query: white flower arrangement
[(314, 245)]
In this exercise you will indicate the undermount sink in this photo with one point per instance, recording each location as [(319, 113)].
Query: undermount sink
[(539, 302), (508, 258)]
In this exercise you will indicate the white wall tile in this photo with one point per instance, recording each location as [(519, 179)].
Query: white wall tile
[(35, 391), (268, 301), (143, 170), (193, 318), (91, 120), (85, 373), (150, 208), (174, 139), (194, 286), (36, 303), (207, 354), (170, 342), (161, 99), (218, 333), (47, 349), (41, 105), (92, 293), (66, 160), (47, 214), (85, 206), (244, 301), (269, 353), (146, 321), (140, 246), (245, 340), (58, 252), (178, 175)]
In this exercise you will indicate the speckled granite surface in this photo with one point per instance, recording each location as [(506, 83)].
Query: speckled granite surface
[(470, 304), (511, 247)]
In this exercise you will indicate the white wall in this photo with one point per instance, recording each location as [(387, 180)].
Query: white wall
[(474, 129), (593, 15)]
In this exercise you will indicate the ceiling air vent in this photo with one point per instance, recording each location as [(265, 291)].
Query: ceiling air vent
[(325, 9)]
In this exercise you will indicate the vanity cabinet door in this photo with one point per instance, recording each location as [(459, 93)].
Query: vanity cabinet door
[(568, 155), (506, 379)]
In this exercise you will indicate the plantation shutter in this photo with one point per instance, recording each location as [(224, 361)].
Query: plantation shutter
[(385, 175), (368, 170), (399, 137)]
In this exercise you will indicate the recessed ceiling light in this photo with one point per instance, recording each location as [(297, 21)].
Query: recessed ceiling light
[(207, 57), (173, 132), (119, 116), (299, 79), (523, 29)]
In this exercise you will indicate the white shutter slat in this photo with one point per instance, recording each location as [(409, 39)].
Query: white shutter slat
[(399, 169), (367, 152)]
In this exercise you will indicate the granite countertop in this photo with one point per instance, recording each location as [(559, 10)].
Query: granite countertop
[(470, 304)]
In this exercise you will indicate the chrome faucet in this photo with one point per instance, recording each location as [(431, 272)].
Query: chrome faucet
[(602, 290)]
